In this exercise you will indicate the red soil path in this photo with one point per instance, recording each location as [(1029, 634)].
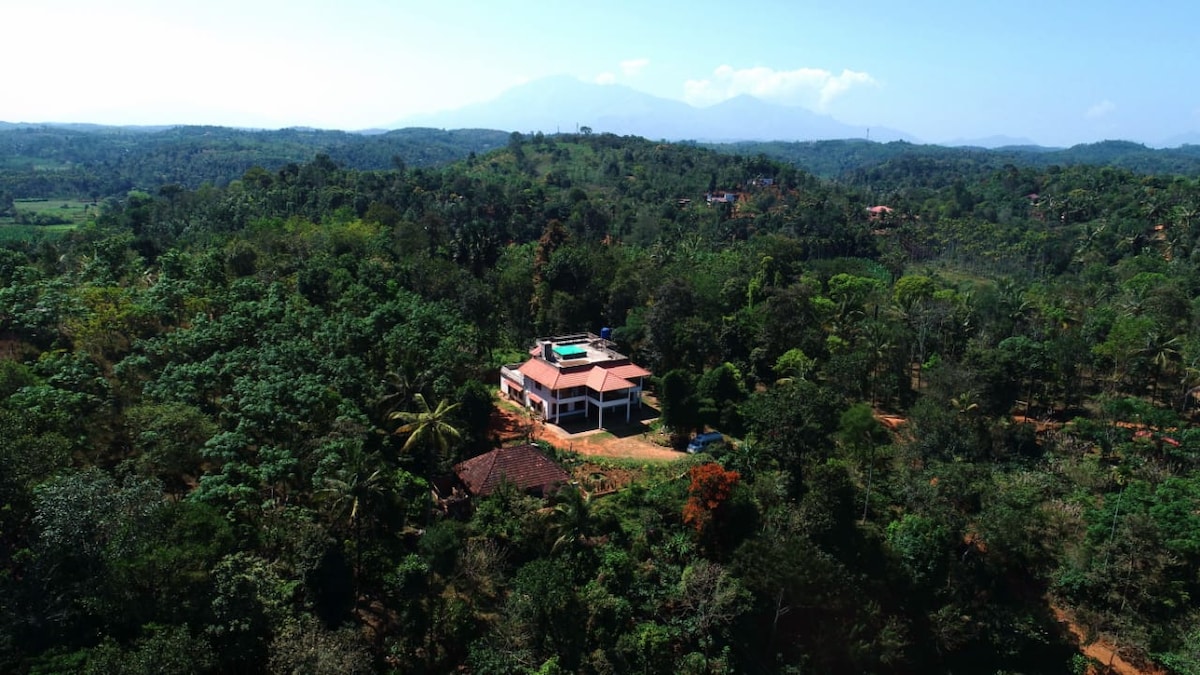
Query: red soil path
[(1103, 651)]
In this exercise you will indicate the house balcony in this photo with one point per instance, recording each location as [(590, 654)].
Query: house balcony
[(614, 399)]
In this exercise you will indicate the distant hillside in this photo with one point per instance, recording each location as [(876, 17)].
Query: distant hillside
[(857, 161), (88, 161), (990, 142), (44, 160)]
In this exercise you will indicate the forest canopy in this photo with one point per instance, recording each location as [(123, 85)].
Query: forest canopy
[(959, 408)]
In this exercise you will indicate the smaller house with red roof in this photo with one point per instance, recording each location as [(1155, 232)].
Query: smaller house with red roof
[(878, 212), (523, 466), (576, 375)]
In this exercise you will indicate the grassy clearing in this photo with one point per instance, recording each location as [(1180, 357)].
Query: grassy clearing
[(10, 232), (504, 357), (644, 467), (73, 211), (45, 218)]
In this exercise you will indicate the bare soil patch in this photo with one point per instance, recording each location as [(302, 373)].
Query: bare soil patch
[(600, 480), (1104, 652), (510, 423)]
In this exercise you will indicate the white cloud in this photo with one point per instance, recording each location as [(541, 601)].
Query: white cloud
[(812, 87), (1101, 109), (629, 68), (632, 67)]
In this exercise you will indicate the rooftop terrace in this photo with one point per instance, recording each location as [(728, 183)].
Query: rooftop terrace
[(577, 349)]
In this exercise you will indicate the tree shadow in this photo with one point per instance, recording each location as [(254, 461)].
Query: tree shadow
[(614, 422)]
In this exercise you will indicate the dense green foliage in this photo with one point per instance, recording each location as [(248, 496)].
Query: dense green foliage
[(870, 164), (42, 161), (223, 409)]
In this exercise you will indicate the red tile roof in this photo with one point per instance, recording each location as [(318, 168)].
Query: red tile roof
[(603, 379), (576, 378), (541, 372), (629, 370), (555, 379), (522, 465)]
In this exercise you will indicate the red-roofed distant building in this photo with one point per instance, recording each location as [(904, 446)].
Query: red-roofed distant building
[(524, 466), (877, 212), (574, 375)]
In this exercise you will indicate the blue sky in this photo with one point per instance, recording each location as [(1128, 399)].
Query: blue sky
[(1056, 72)]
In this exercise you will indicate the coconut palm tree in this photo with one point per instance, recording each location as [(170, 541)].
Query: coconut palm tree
[(571, 518), (427, 428), (398, 387), (354, 494), (1162, 351)]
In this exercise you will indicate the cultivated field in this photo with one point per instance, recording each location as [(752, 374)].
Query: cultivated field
[(45, 217)]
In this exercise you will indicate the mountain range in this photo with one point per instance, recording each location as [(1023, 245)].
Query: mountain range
[(565, 104)]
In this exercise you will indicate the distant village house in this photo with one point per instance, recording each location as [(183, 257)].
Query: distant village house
[(720, 198), (877, 212)]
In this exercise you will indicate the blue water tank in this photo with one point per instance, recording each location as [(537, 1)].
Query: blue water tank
[(606, 333)]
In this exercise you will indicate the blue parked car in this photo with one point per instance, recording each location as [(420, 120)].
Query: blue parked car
[(701, 442)]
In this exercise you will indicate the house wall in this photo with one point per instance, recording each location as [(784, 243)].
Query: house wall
[(566, 402), (510, 389)]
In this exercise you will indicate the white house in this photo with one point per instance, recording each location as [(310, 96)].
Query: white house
[(572, 375)]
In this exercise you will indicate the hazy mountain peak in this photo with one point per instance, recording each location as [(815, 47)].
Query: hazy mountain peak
[(562, 103)]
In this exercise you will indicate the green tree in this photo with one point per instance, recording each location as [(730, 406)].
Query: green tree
[(169, 438), (89, 523), (922, 545), (910, 290), (793, 365), (861, 435), (680, 405), (710, 602), (429, 429), (791, 424), (160, 649), (539, 615), (354, 491), (721, 390), (571, 518), (305, 646)]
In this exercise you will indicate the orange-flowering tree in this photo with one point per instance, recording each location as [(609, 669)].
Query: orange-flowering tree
[(711, 488)]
